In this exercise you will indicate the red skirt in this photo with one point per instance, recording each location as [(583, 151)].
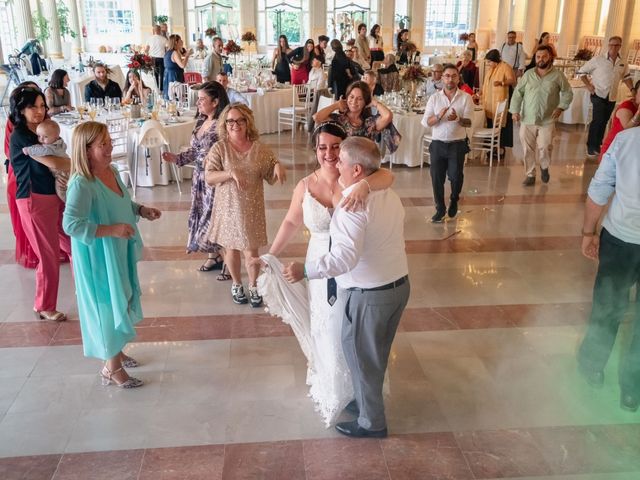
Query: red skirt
[(299, 76), (25, 255)]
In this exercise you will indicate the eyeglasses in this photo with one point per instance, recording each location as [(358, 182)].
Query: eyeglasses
[(615, 44), (241, 122)]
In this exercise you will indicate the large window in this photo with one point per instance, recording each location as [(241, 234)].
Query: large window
[(109, 16), (223, 15), (344, 16), (446, 20), (280, 17), (7, 30)]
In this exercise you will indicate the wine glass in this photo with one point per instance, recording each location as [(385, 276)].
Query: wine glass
[(92, 113), (126, 111), (82, 109), (93, 102)]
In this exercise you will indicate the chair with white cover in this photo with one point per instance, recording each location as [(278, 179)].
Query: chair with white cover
[(180, 92), (571, 51), (488, 139), (426, 142), (297, 113), (152, 135), (119, 132)]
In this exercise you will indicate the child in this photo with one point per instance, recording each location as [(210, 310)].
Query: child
[(51, 144)]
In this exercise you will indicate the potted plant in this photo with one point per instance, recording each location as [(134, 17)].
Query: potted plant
[(160, 19), (40, 26), (65, 28)]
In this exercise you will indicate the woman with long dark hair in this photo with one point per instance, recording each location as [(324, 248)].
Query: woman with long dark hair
[(342, 71), (212, 100), (376, 46), (39, 207), (545, 39), (301, 62), (280, 62), (57, 96), (134, 87)]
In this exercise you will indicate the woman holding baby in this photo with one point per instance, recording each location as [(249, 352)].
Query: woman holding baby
[(39, 206)]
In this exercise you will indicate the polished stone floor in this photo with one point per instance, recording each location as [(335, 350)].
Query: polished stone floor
[(482, 380)]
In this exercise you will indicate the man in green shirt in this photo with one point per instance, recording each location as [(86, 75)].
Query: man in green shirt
[(538, 100)]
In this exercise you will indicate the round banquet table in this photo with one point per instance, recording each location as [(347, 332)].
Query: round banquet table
[(265, 107), (409, 125), (152, 170)]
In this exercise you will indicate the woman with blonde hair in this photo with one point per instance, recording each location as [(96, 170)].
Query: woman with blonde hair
[(238, 165), (101, 220), (174, 62)]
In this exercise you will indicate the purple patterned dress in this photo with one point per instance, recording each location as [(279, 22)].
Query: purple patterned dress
[(201, 193)]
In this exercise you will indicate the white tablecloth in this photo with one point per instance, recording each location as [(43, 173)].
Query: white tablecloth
[(265, 107), (155, 171), (409, 125), (578, 111)]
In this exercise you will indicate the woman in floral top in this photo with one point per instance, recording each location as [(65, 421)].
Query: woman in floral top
[(212, 99), (356, 116)]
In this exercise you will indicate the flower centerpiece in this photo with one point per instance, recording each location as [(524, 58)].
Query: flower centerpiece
[(210, 32), (464, 37), (140, 62), (411, 75), (249, 37), (232, 48), (583, 54)]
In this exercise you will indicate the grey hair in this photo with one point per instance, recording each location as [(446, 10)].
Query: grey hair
[(364, 150)]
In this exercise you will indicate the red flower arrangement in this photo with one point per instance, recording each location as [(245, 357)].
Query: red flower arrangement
[(248, 37), (232, 48), (141, 61), (210, 32), (414, 73), (464, 37)]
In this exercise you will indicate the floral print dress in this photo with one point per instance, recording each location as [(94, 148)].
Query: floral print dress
[(201, 193)]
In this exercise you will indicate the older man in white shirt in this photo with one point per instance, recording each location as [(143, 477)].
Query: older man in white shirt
[(374, 290), (448, 114), (156, 48), (513, 54), (606, 72)]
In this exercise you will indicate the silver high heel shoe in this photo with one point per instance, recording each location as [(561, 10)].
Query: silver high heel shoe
[(107, 379), (129, 362)]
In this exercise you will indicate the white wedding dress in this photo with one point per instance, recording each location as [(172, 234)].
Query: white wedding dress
[(316, 324)]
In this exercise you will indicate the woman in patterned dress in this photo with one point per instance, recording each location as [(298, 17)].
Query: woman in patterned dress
[(212, 100), (238, 165)]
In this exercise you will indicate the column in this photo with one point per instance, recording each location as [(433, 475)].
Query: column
[(145, 16), (177, 20), (248, 23), (23, 21), (54, 46), (318, 18), (503, 22), (532, 23), (570, 27), (619, 22), (74, 23), (82, 22), (418, 17), (386, 22)]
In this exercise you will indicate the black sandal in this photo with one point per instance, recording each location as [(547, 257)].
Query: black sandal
[(224, 275), (217, 264)]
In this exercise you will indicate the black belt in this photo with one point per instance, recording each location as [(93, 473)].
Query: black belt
[(388, 286)]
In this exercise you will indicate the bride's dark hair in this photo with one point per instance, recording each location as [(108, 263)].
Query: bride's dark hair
[(330, 127)]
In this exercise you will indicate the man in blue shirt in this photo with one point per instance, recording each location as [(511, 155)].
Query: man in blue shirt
[(618, 250)]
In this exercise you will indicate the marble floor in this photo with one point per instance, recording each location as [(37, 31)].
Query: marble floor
[(482, 382)]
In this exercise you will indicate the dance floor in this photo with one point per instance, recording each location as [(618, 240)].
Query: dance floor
[(482, 382)]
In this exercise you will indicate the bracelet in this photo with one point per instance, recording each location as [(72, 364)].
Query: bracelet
[(589, 234), (368, 186), (140, 207)]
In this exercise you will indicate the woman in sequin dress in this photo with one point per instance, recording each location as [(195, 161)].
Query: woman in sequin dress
[(238, 165), (212, 99)]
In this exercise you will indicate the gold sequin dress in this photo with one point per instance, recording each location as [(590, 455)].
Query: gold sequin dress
[(238, 220)]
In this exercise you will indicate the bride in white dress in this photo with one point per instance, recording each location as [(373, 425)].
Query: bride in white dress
[(316, 324)]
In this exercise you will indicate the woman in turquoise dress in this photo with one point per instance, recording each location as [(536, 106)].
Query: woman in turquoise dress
[(101, 220)]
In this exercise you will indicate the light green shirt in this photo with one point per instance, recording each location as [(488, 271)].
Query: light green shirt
[(535, 97)]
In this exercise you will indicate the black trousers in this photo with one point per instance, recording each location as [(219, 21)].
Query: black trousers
[(158, 71), (618, 270), (447, 160), (602, 110)]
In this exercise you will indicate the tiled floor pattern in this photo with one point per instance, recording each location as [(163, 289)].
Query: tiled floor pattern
[(481, 383)]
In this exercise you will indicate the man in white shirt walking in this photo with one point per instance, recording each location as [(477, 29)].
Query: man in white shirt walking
[(374, 289), (606, 72), (513, 54), (156, 48), (213, 62), (448, 114)]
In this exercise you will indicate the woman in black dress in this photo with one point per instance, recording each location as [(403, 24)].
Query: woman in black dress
[(280, 62), (341, 72)]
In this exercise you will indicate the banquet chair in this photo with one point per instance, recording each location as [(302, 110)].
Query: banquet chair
[(488, 139), (297, 112), (180, 92), (152, 135), (571, 51), (119, 132), (426, 142), (192, 78)]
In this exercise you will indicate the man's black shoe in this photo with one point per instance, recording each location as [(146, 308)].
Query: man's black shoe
[(352, 429), (529, 181), (595, 378), (352, 408), (438, 217), (544, 175), (629, 402), (591, 153), (453, 209)]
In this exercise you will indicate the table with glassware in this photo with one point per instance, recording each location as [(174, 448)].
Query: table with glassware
[(152, 170)]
